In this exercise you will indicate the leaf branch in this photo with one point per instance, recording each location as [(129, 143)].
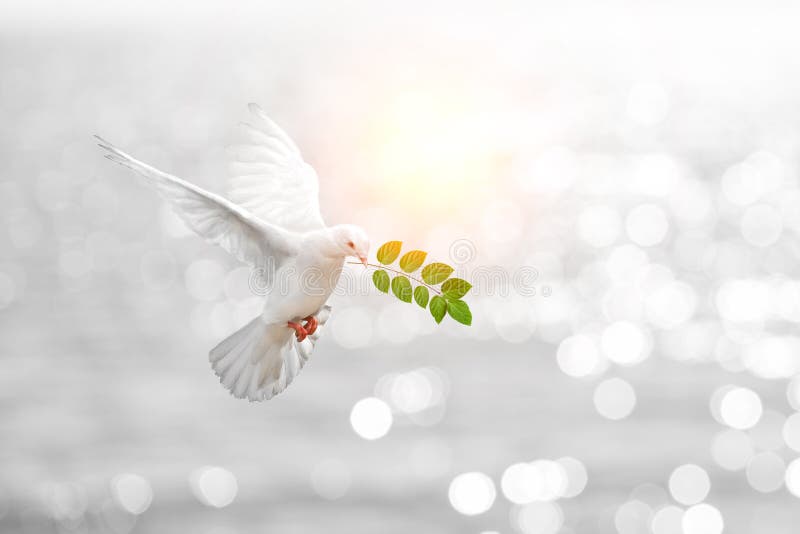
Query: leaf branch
[(397, 272)]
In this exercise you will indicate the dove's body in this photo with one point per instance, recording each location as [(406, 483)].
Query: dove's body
[(274, 225), (304, 284)]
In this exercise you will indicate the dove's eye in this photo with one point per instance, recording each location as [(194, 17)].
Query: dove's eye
[(350, 244)]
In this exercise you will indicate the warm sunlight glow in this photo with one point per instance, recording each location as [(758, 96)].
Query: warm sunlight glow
[(433, 146)]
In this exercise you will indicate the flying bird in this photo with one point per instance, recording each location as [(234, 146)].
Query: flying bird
[(271, 221)]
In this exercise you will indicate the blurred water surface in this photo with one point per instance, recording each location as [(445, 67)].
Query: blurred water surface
[(619, 180)]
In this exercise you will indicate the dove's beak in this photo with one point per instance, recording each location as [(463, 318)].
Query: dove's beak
[(363, 260)]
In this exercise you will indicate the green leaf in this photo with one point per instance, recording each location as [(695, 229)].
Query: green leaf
[(401, 288), (455, 288), (421, 296), (436, 273), (381, 280), (459, 311), (438, 308), (389, 252), (411, 261)]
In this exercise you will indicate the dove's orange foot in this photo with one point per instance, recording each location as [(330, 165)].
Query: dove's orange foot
[(299, 331), (311, 324)]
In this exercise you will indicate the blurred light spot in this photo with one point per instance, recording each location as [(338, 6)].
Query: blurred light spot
[(538, 518), (214, 486), (772, 357), (761, 225), (577, 477), (671, 305), (647, 225), (791, 431), (554, 479), (792, 478), (655, 174), (740, 184), (599, 226), (633, 517), (132, 493), (765, 472), (411, 392), (689, 484), (472, 493), (769, 169), (520, 483), (652, 277), (204, 279), (624, 343), (624, 262), (648, 103), (668, 520), (578, 356), (741, 408), (541, 480), (371, 418), (330, 479), (352, 328), (787, 299), (614, 398), (702, 519), (732, 449), (715, 402), (158, 269), (743, 300)]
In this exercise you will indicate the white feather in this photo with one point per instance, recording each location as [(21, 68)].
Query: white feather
[(269, 178)]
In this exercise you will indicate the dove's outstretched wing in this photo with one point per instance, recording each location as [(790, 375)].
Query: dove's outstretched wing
[(269, 178), (214, 218)]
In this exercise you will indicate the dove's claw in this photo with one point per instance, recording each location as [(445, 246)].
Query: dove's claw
[(311, 324), (299, 331)]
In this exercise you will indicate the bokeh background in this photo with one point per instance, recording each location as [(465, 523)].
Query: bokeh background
[(618, 179)]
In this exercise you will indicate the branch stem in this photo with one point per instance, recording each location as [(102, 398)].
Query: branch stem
[(398, 272)]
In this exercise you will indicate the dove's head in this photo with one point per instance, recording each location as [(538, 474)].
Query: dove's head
[(352, 241)]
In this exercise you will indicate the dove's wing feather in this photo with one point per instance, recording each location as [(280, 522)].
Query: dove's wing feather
[(270, 179), (214, 218)]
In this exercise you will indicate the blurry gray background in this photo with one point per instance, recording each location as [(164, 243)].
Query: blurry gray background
[(641, 157)]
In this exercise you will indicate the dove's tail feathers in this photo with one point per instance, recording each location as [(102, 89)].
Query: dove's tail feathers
[(260, 360)]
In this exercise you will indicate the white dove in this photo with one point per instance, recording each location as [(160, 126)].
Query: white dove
[(271, 222)]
